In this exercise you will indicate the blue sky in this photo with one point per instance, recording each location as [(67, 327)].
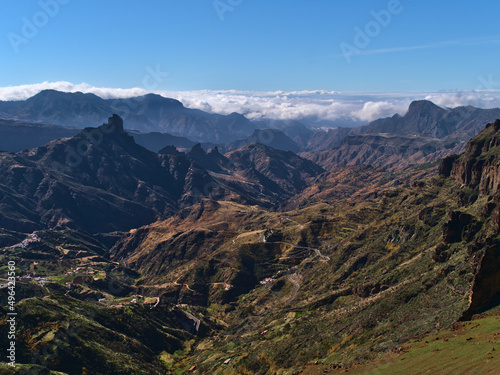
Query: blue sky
[(259, 45)]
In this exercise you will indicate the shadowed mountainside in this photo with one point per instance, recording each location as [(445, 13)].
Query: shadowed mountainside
[(100, 180), (479, 166)]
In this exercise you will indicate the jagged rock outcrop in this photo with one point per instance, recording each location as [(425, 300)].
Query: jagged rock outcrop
[(446, 165), (212, 161), (486, 288), (460, 227), (479, 166)]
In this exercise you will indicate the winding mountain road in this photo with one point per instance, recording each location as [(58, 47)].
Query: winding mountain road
[(295, 290), (293, 221), (291, 277), (196, 321), (317, 251)]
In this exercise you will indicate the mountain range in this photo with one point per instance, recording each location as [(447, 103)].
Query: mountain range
[(100, 180), (424, 134), (148, 113), (279, 251)]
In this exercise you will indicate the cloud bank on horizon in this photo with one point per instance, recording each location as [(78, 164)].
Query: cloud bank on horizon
[(281, 105)]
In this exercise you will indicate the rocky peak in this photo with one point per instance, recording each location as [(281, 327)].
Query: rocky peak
[(479, 166), (211, 161), (114, 125), (169, 150), (196, 152), (214, 151), (423, 106)]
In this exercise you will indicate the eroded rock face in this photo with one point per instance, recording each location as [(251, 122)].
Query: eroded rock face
[(479, 166), (459, 227), (447, 165), (486, 288)]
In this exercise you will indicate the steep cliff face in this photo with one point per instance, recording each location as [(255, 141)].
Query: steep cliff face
[(478, 169), (479, 166)]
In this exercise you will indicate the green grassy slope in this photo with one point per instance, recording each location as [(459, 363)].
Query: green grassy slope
[(471, 348)]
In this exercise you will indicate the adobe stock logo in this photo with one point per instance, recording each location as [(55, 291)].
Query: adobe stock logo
[(224, 6), (364, 36), (30, 26)]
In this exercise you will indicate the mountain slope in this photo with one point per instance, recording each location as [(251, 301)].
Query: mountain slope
[(321, 141), (335, 283), (268, 175), (268, 166), (340, 283), (395, 152)]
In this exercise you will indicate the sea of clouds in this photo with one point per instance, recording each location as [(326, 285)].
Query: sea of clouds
[(283, 105)]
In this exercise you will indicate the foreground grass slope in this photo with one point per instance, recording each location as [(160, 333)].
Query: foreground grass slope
[(468, 348)]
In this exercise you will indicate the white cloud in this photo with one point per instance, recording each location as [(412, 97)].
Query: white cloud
[(23, 92), (481, 99), (317, 104), (374, 110)]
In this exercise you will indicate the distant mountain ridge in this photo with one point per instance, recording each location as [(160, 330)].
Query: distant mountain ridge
[(427, 119), (426, 133), (16, 136), (148, 113)]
